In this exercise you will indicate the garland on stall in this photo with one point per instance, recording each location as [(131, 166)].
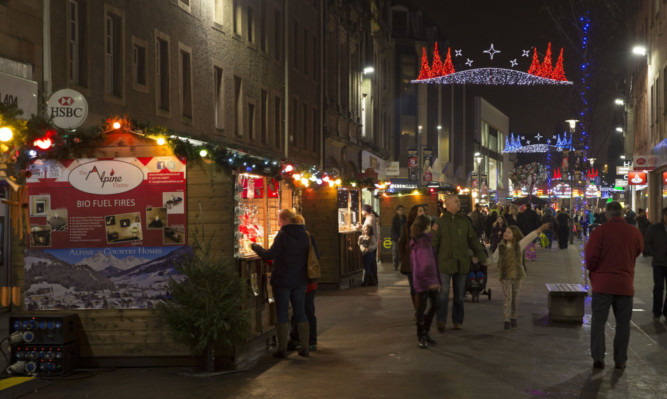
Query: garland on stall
[(24, 142)]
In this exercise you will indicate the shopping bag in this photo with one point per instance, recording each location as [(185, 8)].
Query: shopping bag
[(531, 253), (544, 240)]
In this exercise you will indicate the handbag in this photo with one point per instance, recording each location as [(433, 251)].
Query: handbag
[(313, 265)]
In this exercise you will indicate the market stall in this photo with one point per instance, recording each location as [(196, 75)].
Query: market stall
[(332, 214)]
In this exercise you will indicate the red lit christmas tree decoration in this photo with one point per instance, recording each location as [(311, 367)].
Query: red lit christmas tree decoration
[(558, 72), (535, 65), (546, 69), (448, 68), (425, 72), (436, 67)]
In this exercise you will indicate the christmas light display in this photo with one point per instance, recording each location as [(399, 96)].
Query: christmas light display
[(514, 144), (538, 73)]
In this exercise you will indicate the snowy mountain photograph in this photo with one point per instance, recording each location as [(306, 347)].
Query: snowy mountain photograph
[(99, 278)]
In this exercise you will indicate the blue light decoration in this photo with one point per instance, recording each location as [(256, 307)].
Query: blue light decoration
[(513, 144), (585, 85)]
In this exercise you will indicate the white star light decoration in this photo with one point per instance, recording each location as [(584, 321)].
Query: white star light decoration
[(538, 136), (526, 53), (514, 63), (458, 53), (469, 62), (491, 51)]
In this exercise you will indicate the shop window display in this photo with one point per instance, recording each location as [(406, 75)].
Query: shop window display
[(348, 209), (258, 201)]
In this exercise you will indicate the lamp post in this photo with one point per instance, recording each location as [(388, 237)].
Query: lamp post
[(419, 156), (478, 160), (573, 124)]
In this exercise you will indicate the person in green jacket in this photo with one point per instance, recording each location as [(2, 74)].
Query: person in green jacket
[(452, 240)]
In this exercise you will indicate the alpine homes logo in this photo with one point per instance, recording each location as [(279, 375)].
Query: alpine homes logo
[(106, 177)]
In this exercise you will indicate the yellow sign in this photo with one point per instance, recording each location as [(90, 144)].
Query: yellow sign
[(386, 243)]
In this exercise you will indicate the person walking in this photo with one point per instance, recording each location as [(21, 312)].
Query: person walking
[(610, 254), (451, 240), (642, 221), (478, 220), (405, 250), (289, 253), (497, 231), (425, 276), (655, 245), (528, 220), (548, 218), (512, 217), (397, 223), (564, 223), (511, 269)]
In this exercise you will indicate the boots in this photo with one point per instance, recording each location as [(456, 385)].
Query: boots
[(282, 332), (421, 337), (427, 328), (304, 332), (415, 304)]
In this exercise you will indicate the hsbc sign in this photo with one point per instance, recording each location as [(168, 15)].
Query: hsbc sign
[(68, 108)]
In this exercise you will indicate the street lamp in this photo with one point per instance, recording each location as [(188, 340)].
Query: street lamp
[(619, 129), (573, 125), (619, 101), (419, 156), (639, 50)]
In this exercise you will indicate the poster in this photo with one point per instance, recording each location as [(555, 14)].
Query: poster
[(413, 164), (104, 233), (427, 174)]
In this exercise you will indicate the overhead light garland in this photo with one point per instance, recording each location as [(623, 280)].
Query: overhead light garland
[(538, 73), (38, 139), (514, 144)]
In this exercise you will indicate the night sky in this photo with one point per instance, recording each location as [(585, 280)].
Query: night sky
[(514, 26)]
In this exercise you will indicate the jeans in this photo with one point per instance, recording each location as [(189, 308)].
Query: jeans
[(394, 254), (459, 285), (312, 320), (622, 307), (283, 296), (659, 302), (370, 267)]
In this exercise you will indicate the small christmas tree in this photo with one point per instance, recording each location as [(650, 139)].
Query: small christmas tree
[(448, 68), (425, 72), (535, 65), (436, 67), (546, 69), (558, 72)]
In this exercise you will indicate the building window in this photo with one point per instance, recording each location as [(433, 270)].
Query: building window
[(264, 115), (295, 40), (262, 27), (277, 37), (399, 21), (251, 122), (238, 22), (294, 134), (251, 24), (162, 73), (139, 64), (316, 58), (218, 11), (113, 51), (185, 5), (316, 131), (306, 53), (238, 106), (278, 122), (304, 130), (186, 84), (77, 57), (219, 96)]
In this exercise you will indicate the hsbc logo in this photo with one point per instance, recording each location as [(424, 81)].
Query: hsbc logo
[(67, 108), (65, 101)]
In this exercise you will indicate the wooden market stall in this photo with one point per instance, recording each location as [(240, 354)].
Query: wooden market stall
[(332, 215), (121, 328)]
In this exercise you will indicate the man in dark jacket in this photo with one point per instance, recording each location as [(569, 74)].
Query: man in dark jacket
[(655, 245), (529, 220), (564, 228), (611, 252), (642, 221), (451, 242), (397, 224)]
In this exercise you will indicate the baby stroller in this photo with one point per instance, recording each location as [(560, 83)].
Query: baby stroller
[(476, 281)]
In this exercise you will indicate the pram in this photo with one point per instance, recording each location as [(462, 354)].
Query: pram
[(476, 281)]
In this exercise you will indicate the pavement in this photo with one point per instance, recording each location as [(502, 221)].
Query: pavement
[(368, 349)]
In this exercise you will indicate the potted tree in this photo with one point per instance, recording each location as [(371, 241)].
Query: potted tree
[(206, 306)]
